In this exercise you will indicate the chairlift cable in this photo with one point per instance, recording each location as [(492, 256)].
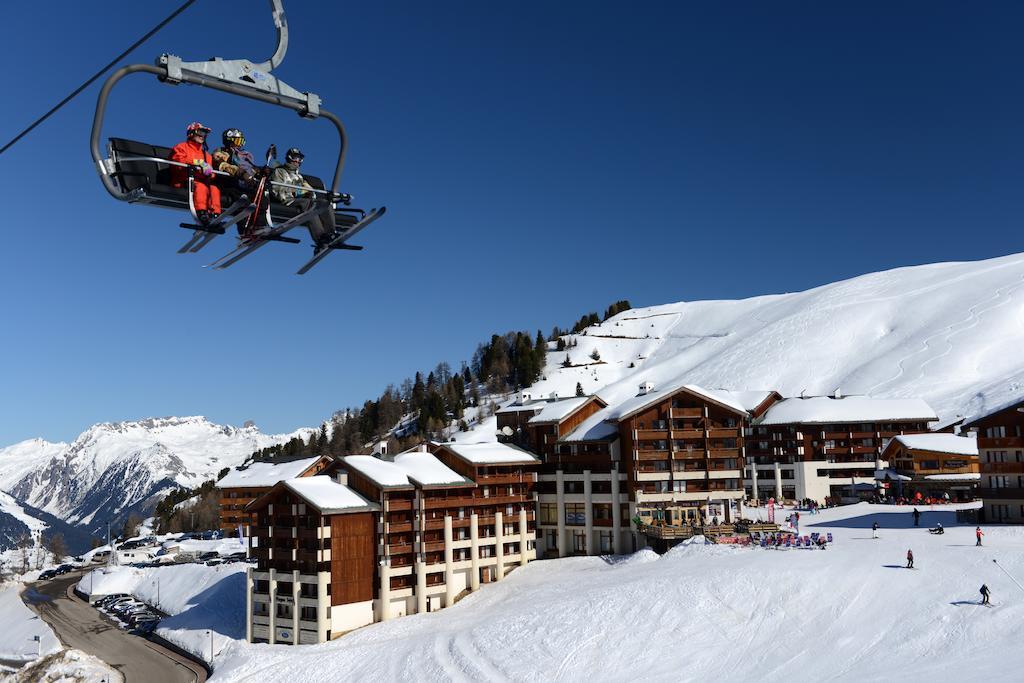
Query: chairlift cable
[(89, 82)]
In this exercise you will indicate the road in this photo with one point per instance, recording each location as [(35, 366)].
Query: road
[(81, 626)]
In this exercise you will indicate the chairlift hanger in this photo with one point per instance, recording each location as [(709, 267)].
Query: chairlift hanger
[(129, 161)]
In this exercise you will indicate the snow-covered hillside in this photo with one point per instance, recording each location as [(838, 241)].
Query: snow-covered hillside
[(951, 333), (112, 468)]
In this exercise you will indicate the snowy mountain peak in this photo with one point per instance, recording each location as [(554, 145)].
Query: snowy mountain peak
[(112, 467)]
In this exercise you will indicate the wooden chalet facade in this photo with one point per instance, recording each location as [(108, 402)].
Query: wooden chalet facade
[(240, 487), (826, 446), (939, 466), (538, 425), (1001, 461), (429, 527)]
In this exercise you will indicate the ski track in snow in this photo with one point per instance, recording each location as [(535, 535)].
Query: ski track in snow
[(1001, 297)]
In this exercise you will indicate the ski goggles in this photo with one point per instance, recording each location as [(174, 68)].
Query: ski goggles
[(236, 141)]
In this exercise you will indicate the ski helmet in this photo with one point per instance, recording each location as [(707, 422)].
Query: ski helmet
[(233, 137), (194, 127), (294, 154)]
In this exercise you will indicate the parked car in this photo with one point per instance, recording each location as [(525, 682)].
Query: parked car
[(209, 555), (108, 599), (64, 569), (146, 627), (48, 574)]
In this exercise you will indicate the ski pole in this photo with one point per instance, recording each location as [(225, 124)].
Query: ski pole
[(1008, 574)]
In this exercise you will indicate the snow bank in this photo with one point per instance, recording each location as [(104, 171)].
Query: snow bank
[(69, 666), (20, 625)]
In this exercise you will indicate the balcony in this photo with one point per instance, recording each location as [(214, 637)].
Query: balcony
[(690, 433), (652, 455), (652, 433), (724, 433), (1002, 467), (686, 412), (399, 527), (1002, 442), (1000, 493), (724, 453)]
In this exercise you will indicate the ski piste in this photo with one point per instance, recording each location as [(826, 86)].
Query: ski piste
[(204, 234), (276, 234), (338, 242)]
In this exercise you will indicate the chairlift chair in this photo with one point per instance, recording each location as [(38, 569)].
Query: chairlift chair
[(139, 173)]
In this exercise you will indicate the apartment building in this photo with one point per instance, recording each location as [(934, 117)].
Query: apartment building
[(826, 446), (1000, 434), (538, 424), (386, 538), (939, 465), (239, 487), (668, 455)]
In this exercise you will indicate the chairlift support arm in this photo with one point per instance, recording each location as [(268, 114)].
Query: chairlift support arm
[(235, 77)]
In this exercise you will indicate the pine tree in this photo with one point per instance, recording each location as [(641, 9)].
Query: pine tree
[(579, 389), (595, 355), (566, 363)]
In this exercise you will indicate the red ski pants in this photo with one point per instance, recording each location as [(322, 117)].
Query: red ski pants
[(206, 196)]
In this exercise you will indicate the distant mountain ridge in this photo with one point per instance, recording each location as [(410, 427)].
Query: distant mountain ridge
[(113, 469)]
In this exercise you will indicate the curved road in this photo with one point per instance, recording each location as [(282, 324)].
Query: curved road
[(81, 626)]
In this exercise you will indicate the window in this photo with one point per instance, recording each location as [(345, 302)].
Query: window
[(284, 611), (602, 511), (308, 614), (606, 541), (997, 456), (260, 609), (579, 542), (551, 540), (995, 432), (575, 514), (548, 513), (679, 486), (659, 424), (574, 487)]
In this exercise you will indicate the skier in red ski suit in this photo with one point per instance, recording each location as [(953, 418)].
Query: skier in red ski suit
[(206, 195)]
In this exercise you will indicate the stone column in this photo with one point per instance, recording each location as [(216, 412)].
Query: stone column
[(778, 483), (248, 604), (449, 563), (499, 545), (385, 590), (754, 493), (588, 512), (421, 584), (616, 514), (523, 531), (296, 608), (474, 552), (560, 509), (272, 609), (323, 606)]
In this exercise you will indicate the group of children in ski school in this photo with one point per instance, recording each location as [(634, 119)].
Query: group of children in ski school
[(232, 158), (938, 530)]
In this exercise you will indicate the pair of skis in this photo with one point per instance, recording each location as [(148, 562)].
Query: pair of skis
[(204, 234), (276, 234)]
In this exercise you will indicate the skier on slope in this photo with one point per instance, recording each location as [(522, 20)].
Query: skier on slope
[(984, 594), (917, 517), (205, 195), (874, 530), (979, 533), (910, 559)]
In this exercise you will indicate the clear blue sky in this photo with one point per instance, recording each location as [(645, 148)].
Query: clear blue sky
[(539, 161)]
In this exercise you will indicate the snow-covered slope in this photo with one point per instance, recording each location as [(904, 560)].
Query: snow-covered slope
[(707, 613), (951, 333), (113, 467)]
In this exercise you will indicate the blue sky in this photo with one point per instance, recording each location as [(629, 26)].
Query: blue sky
[(539, 161)]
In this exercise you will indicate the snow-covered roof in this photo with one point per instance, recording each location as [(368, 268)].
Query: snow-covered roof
[(414, 467), (556, 411), (491, 453), (967, 476), (828, 410), (656, 395), (425, 469), (748, 399), (891, 474), (381, 472), (1012, 402), (595, 428), (266, 473), (939, 443), (327, 495)]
